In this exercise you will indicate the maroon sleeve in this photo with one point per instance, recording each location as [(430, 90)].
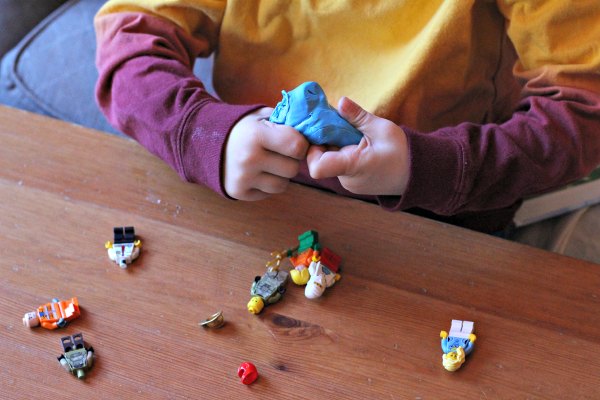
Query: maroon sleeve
[(147, 89), (552, 139)]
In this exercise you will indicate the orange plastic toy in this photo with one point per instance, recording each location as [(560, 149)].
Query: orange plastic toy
[(56, 314)]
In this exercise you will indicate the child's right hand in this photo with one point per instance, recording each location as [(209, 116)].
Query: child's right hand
[(261, 157)]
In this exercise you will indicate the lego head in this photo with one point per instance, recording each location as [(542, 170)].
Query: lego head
[(31, 320), (247, 373), (454, 359), (300, 275), (256, 304)]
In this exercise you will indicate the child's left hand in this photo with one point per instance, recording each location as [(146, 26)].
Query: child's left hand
[(378, 165)]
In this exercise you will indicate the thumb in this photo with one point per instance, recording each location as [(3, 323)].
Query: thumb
[(355, 114)]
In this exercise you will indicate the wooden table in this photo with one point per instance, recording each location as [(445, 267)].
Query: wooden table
[(374, 335)]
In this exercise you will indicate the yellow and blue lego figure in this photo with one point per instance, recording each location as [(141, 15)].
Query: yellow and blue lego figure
[(458, 344)]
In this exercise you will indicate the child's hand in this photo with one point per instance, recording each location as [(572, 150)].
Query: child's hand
[(378, 165), (261, 157)]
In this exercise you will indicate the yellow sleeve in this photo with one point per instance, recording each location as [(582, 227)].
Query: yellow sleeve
[(191, 15), (557, 41)]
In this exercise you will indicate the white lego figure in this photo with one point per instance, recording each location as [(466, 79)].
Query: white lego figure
[(321, 278), (125, 247)]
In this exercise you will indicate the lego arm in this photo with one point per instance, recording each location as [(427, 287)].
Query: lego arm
[(49, 325), (470, 344), (63, 362), (90, 357), (275, 298), (444, 344), (147, 88)]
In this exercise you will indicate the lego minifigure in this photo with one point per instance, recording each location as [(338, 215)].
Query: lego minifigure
[(56, 314), (321, 278), (458, 344), (301, 256), (77, 359), (247, 373), (125, 248), (267, 289), (328, 266), (308, 250), (314, 266)]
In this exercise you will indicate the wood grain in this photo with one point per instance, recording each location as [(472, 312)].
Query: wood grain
[(374, 335)]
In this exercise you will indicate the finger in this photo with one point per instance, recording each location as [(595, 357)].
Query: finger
[(271, 184), (240, 191), (265, 112), (354, 113), (279, 165), (247, 193), (253, 195), (284, 140), (327, 164)]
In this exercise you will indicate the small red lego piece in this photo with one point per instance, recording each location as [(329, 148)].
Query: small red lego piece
[(330, 259), (247, 373)]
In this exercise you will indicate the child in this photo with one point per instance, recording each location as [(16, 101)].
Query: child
[(465, 107)]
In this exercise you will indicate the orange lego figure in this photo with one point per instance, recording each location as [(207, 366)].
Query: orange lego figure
[(308, 251), (56, 314), (303, 258), (302, 262)]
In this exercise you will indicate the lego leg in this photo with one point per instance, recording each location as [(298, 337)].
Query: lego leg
[(467, 327), (455, 327)]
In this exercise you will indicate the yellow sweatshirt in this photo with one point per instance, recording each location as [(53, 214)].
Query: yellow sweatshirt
[(499, 99), (408, 61)]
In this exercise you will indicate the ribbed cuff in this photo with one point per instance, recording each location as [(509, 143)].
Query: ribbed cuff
[(203, 139)]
